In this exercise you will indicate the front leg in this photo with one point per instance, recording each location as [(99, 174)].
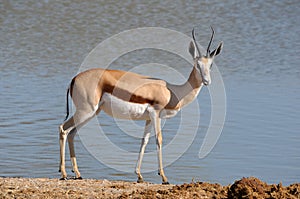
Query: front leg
[(158, 134), (142, 150)]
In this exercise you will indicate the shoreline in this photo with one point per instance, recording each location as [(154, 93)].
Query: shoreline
[(250, 187)]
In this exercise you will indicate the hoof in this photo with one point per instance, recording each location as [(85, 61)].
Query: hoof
[(79, 178), (140, 180), (59, 171), (63, 179), (165, 183)]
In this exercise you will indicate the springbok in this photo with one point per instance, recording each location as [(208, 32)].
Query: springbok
[(128, 95)]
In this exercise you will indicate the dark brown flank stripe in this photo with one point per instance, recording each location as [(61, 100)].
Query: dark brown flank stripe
[(127, 96)]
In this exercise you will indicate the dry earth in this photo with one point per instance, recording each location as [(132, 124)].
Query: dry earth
[(90, 188)]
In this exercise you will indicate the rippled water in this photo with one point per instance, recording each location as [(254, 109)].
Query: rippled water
[(43, 44)]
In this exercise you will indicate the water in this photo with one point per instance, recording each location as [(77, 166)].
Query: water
[(43, 44)]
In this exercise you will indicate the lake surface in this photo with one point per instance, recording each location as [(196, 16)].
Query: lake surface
[(44, 43)]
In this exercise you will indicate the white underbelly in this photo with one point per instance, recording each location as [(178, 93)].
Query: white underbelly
[(121, 109)]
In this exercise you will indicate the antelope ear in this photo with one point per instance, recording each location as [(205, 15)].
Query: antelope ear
[(193, 50), (217, 50)]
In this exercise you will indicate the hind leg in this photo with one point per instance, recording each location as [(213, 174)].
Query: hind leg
[(62, 142), (70, 137), (72, 153), (67, 131)]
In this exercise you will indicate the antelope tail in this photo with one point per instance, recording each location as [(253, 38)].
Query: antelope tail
[(67, 104)]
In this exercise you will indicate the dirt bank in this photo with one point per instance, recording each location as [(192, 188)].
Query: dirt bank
[(90, 188)]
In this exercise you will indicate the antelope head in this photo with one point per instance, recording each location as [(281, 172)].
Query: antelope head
[(203, 63)]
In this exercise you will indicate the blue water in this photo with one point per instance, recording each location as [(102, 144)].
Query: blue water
[(44, 43)]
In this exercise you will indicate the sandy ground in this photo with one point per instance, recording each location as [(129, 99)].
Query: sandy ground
[(90, 188)]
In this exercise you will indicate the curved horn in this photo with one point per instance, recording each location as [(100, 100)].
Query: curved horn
[(193, 35), (211, 38)]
